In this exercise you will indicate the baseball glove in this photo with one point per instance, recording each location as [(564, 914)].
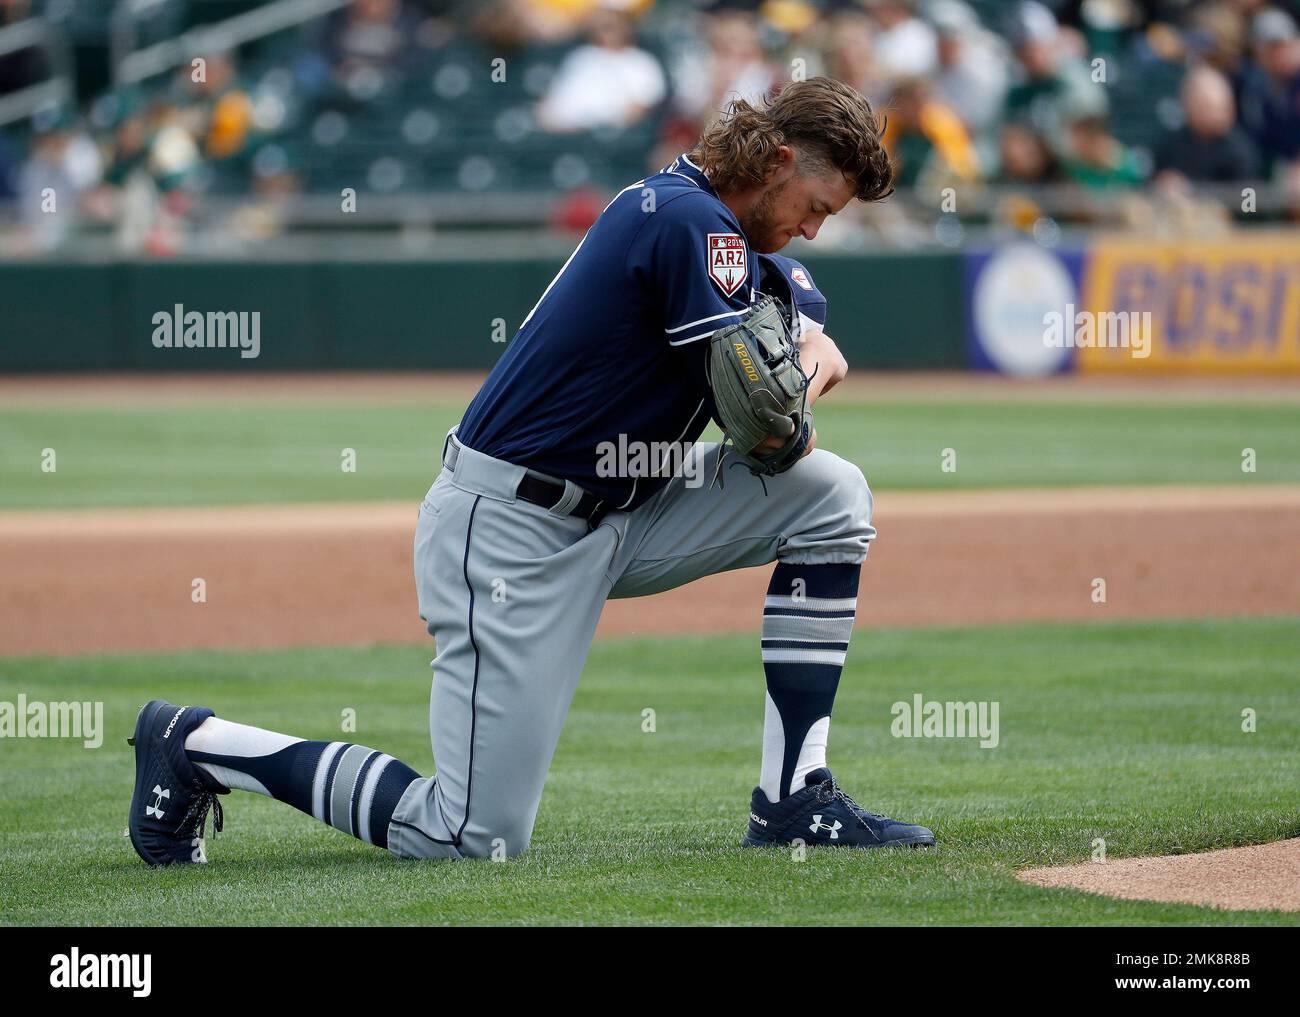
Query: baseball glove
[(759, 389)]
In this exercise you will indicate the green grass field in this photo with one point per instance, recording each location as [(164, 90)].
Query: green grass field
[(1127, 732), (262, 452)]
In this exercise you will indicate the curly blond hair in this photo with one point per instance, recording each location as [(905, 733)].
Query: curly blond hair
[(829, 124)]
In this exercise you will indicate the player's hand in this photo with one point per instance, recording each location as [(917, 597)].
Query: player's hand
[(817, 353), (822, 361), (773, 444), (826, 367)]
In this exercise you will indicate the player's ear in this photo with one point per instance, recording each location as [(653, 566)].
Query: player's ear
[(783, 166)]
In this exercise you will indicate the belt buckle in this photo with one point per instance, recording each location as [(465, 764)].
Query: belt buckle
[(596, 514)]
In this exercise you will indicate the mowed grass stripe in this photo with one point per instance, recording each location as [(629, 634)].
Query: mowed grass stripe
[(216, 455)]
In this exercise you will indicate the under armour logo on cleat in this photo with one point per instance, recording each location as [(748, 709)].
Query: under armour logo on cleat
[(833, 827), (156, 808)]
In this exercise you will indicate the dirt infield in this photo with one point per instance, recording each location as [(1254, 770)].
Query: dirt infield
[(121, 580), (1264, 877)]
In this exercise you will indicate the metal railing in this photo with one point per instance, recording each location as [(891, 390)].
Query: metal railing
[(1069, 202), (36, 33), (908, 219), (131, 65)]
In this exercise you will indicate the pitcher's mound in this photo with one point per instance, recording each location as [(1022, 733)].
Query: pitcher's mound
[(1261, 878)]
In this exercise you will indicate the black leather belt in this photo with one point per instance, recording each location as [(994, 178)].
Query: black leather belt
[(540, 491)]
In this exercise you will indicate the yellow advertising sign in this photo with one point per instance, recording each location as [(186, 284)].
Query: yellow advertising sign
[(1210, 306)]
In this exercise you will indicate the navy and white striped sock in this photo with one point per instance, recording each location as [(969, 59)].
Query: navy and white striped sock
[(351, 787), (807, 620)]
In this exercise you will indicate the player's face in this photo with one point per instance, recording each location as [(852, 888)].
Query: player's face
[(795, 206)]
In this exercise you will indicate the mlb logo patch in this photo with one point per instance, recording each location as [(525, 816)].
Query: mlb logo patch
[(801, 277), (728, 261)]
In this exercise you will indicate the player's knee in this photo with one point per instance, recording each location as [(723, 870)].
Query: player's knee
[(842, 492), (503, 838), (834, 518), (861, 502)]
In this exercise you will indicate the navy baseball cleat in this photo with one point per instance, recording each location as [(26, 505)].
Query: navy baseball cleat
[(172, 796), (821, 813)]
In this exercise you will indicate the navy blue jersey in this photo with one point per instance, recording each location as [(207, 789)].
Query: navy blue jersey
[(613, 352)]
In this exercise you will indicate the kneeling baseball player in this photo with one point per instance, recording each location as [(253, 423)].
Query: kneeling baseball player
[(671, 311)]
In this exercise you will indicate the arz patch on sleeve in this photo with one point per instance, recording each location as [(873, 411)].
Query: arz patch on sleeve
[(728, 261)]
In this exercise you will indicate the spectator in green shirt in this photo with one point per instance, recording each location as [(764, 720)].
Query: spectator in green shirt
[(1097, 160), (1053, 85)]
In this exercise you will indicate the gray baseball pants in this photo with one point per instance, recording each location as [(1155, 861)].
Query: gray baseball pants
[(512, 593)]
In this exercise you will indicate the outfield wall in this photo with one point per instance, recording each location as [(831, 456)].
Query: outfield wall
[(886, 311), (1225, 305)]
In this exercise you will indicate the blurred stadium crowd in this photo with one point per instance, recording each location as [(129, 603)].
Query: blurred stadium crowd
[(143, 119)]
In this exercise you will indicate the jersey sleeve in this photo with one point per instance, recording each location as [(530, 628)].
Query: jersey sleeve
[(790, 281), (698, 267)]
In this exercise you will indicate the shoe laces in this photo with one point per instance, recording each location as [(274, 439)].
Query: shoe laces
[(196, 817), (838, 793)]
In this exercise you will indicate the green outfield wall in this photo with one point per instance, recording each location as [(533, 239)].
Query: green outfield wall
[(894, 310)]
